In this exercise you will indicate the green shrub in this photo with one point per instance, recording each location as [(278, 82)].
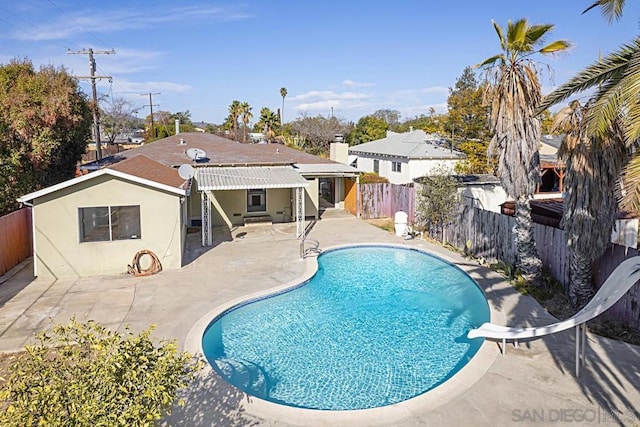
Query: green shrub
[(82, 374), (372, 178)]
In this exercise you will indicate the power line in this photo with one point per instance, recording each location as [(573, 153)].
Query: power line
[(92, 76), (78, 24), (56, 41), (151, 105)]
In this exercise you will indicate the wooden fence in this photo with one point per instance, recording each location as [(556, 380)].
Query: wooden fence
[(384, 200), (488, 235), (628, 308), (15, 239)]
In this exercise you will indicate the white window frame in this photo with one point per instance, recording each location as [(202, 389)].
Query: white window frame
[(396, 166), (81, 231)]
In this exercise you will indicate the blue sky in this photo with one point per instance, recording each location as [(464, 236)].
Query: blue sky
[(352, 56)]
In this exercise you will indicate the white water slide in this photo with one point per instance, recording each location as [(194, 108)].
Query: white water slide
[(619, 282)]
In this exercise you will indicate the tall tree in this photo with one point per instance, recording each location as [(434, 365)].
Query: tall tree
[(235, 110), (369, 128), (316, 133), (267, 123), (616, 79), (283, 94), (514, 93), (117, 117), (467, 123), (430, 123), (593, 166), (247, 115), (45, 122), (392, 117)]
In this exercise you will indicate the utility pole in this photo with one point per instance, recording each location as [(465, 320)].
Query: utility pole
[(151, 105), (92, 76)]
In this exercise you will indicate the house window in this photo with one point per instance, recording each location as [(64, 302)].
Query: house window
[(396, 166), (107, 223), (376, 166), (256, 200)]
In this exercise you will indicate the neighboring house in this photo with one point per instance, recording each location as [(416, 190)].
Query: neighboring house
[(402, 157), (79, 223)]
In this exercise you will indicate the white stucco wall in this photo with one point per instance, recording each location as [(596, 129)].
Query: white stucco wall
[(488, 197), (410, 169), (58, 251)]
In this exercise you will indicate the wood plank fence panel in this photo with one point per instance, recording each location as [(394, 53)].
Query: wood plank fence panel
[(491, 238), (384, 200), (627, 309), (15, 239)]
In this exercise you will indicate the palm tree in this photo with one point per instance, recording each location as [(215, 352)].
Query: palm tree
[(268, 122), (513, 92), (235, 111), (593, 166), (283, 94), (616, 78), (247, 115)]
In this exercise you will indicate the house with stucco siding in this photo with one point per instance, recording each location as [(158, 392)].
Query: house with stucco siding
[(149, 196), (402, 157)]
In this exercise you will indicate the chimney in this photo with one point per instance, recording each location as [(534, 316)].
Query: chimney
[(177, 126)]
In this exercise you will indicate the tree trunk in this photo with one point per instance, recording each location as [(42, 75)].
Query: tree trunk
[(580, 287), (528, 260)]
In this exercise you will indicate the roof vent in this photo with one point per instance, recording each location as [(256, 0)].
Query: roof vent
[(410, 128), (182, 141)]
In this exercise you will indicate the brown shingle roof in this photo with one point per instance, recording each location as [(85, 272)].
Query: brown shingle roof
[(220, 152), (143, 167)]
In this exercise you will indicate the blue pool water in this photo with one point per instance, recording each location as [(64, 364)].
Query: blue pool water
[(375, 326)]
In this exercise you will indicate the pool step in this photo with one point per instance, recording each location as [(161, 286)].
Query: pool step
[(244, 374)]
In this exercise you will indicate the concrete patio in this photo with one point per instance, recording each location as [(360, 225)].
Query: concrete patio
[(532, 384)]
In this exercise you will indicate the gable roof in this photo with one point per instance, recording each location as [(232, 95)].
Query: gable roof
[(411, 145), (139, 169), (143, 167), (171, 151)]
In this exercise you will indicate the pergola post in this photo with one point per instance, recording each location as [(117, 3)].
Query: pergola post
[(207, 238), (299, 212)]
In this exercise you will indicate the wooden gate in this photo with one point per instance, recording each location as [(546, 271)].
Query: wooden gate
[(15, 239), (350, 196)]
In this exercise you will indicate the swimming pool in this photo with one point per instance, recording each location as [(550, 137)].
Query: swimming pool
[(376, 325)]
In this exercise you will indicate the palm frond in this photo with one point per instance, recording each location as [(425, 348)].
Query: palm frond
[(490, 61), (517, 36), (611, 9), (596, 74), (555, 47), (536, 32), (500, 34), (631, 185)]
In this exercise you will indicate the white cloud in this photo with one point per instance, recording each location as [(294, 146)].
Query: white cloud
[(327, 95), (127, 87), (357, 103), (127, 61), (125, 19), (351, 83)]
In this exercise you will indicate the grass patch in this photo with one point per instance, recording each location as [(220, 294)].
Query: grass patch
[(386, 224)]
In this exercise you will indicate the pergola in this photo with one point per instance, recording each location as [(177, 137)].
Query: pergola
[(210, 179), (555, 167)]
